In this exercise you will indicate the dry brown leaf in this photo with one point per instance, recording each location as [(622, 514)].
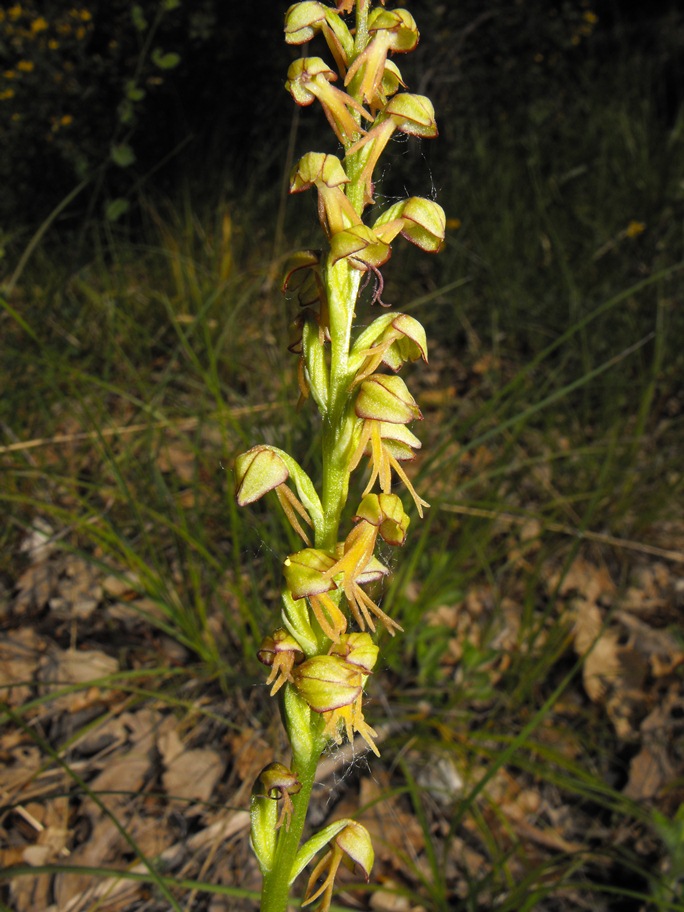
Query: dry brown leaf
[(34, 587), (601, 667), (123, 777), (593, 583), (20, 653), (649, 770), (190, 774), (251, 753), (75, 666), (103, 846)]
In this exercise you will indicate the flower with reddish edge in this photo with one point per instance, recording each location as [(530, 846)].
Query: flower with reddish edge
[(281, 652), (403, 339), (386, 511), (358, 566), (392, 30), (353, 841), (361, 246), (333, 687), (357, 649), (384, 397), (327, 682), (387, 445), (309, 78), (261, 470), (413, 115), (382, 401), (304, 20), (279, 784), (306, 577), (326, 173), (420, 221)]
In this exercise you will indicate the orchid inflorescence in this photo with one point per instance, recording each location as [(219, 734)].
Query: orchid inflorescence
[(323, 653)]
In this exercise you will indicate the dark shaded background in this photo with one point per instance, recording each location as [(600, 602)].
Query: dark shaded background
[(221, 116)]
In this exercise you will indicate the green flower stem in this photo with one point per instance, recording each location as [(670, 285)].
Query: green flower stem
[(276, 886), (323, 692), (343, 283)]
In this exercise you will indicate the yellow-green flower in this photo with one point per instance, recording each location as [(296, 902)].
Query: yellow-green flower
[(354, 841)]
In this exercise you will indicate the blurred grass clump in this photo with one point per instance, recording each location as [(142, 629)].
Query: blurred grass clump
[(137, 361)]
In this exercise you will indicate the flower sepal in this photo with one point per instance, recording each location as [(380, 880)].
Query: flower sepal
[(280, 652), (309, 849), (266, 468), (391, 339), (306, 576), (390, 30), (310, 78), (257, 472), (304, 20), (361, 246), (327, 683), (357, 649), (353, 846), (276, 783), (385, 511), (385, 397)]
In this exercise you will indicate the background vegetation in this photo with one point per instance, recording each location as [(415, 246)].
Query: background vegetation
[(142, 226)]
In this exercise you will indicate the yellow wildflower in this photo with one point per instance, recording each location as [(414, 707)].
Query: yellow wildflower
[(453, 224), (634, 229), (26, 66), (14, 12), (66, 120), (9, 74), (53, 44), (7, 93), (39, 25), (590, 17), (85, 15)]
